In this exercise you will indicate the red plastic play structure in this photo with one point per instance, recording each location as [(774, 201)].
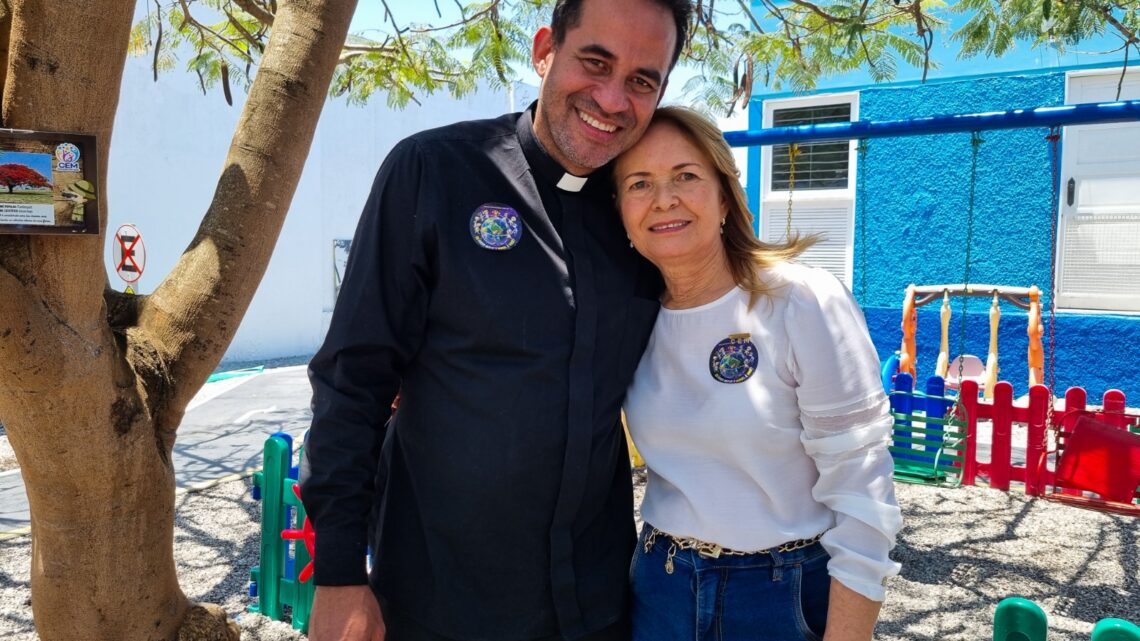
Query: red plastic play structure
[(305, 534), (1089, 457)]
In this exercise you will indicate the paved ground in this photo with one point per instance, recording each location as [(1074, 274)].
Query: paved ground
[(221, 437)]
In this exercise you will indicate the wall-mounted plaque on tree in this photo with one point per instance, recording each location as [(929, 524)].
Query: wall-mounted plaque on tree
[(48, 183)]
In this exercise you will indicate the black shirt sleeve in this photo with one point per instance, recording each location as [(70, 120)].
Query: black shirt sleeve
[(376, 328)]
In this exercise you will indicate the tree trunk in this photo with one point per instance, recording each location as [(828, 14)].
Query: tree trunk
[(102, 503), (95, 383)]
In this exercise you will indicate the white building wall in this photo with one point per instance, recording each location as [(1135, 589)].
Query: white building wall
[(166, 155)]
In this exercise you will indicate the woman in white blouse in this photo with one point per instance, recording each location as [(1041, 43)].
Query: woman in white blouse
[(758, 408)]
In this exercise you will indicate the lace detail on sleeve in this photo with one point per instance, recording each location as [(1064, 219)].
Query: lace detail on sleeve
[(847, 430)]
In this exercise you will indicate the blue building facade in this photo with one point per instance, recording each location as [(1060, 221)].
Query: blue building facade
[(908, 221)]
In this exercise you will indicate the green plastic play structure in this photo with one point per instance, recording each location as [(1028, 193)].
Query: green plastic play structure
[(1018, 619), (928, 440), (276, 581)]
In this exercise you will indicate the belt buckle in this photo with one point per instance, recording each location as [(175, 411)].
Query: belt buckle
[(709, 550)]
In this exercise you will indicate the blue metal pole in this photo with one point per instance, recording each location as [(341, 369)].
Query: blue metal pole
[(1084, 114)]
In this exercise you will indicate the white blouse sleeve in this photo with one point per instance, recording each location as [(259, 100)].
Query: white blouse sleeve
[(847, 427)]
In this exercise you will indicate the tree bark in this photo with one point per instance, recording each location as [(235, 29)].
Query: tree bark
[(95, 383)]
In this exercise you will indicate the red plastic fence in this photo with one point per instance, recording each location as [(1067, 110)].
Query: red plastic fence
[(1037, 473)]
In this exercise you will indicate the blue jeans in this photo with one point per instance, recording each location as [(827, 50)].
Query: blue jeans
[(777, 596)]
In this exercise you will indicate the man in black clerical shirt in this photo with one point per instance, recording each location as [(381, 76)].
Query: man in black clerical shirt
[(491, 285)]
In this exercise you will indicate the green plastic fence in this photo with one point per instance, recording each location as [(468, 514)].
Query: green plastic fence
[(275, 582), (927, 444)]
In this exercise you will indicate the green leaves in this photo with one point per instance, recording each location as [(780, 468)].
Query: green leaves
[(996, 26), (790, 46), (221, 42), (794, 43), (735, 47)]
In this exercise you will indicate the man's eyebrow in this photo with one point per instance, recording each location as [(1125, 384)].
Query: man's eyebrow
[(602, 52), (598, 50)]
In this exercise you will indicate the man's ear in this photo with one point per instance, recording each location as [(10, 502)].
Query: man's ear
[(543, 50)]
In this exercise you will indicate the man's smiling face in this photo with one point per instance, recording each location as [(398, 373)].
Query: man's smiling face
[(602, 83)]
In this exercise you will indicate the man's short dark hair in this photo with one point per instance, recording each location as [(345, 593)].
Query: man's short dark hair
[(568, 14)]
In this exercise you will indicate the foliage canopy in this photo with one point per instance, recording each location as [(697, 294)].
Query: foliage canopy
[(734, 44)]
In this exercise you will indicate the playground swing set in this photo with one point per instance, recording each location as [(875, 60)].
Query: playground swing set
[(1094, 451), (968, 366), (936, 430)]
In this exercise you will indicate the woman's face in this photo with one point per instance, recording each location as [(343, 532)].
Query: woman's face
[(670, 199)]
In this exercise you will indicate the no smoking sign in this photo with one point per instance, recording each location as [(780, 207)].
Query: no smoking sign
[(129, 254)]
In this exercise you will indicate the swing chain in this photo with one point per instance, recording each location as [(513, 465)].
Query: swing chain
[(1051, 425), (1054, 138), (793, 152), (976, 141), (862, 169)]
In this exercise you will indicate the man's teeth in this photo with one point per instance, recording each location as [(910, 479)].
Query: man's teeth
[(669, 226), (596, 123)]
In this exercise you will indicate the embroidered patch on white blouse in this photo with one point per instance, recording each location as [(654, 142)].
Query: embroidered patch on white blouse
[(734, 359)]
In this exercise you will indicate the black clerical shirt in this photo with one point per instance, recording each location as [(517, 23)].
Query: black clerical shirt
[(501, 297)]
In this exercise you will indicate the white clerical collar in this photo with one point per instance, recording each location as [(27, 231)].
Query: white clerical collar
[(570, 182)]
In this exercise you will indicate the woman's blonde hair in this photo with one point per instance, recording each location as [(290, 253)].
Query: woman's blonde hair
[(747, 254)]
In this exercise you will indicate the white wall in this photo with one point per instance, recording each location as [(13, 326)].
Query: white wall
[(166, 155)]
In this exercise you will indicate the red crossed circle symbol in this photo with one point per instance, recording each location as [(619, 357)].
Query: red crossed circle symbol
[(129, 268)]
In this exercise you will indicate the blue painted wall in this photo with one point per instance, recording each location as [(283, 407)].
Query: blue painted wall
[(916, 208)]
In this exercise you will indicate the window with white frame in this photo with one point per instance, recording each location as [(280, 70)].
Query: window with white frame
[(814, 194), (819, 165), (1098, 252)]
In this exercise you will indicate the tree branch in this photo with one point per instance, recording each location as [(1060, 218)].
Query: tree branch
[(157, 40), (388, 54), (245, 34), (466, 19), (399, 33), (1129, 34), (926, 34), (748, 11), (194, 313), (866, 53), (380, 48), (255, 10), (203, 29), (816, 9), (776, 11)]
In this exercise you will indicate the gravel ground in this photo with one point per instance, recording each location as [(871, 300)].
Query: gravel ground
[(962, 550)]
